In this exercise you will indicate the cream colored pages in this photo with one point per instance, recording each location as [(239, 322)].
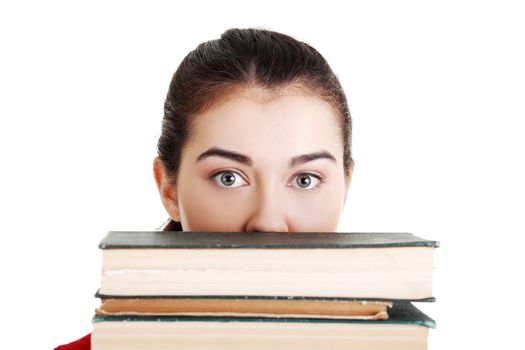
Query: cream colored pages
[(257, 336), (385, 273)]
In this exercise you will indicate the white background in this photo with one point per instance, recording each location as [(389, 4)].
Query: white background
[(436, 91)]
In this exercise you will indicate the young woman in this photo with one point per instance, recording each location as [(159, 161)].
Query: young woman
[(256, 136)]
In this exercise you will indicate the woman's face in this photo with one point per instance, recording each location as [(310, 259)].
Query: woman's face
[(257, 162)]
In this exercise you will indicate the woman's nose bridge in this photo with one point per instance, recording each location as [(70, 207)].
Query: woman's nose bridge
[(269, 209), (269, 200)]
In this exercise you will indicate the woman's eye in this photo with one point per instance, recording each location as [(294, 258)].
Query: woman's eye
[(228, 179), (307, 181)]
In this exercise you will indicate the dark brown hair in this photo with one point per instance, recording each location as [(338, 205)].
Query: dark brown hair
[(244, 58)]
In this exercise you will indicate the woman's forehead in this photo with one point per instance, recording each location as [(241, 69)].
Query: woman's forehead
[(288, 124), (283, 115)]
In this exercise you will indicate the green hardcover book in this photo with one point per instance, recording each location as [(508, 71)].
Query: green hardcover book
[(258, 265), (406, 329)]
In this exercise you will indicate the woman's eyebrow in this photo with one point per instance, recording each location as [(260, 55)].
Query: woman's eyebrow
[(241, 158)]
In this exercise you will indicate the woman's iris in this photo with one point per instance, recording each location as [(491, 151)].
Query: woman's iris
[(304, 181), (228, 178)]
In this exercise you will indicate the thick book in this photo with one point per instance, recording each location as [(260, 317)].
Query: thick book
[(299, 265), (406, 329)]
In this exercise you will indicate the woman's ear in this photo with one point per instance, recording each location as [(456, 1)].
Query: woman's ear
[(167, 191)]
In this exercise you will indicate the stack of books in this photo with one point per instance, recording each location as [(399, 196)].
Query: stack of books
[(261, 290)]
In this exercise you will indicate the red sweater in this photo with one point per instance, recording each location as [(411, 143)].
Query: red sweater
[(83, 343)]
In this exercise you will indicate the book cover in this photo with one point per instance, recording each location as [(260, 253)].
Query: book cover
[(263, 240)]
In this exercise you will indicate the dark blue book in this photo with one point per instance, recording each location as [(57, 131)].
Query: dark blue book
[(258, 265), (406, 328)]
